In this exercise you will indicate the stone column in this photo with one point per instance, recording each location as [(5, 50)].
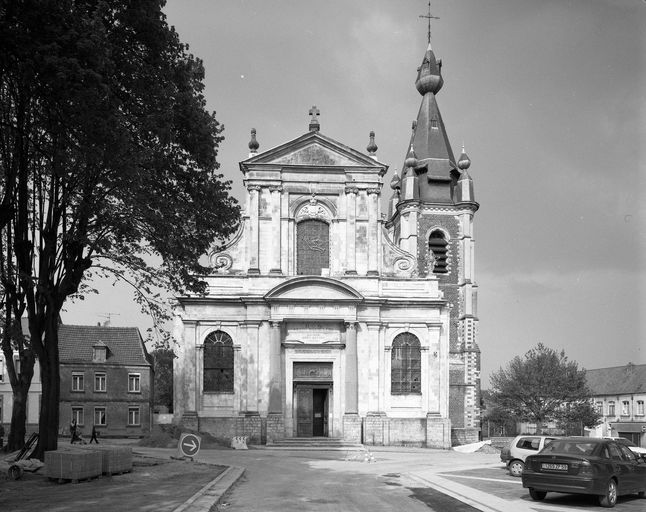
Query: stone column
[(351, 419), (275, 377), (188, 395), (254, 229), (351, 368), (275, 229), (275, 417), (350, 227), (373, 246)]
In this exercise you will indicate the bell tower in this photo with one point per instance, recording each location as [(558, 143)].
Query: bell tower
[(431, 212)]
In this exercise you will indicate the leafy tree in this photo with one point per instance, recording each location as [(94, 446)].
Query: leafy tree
[(573, 417), (108, 163), (540, 385), (163, 366)]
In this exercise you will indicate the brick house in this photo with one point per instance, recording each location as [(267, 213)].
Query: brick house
[(106, 380), (619, 393)]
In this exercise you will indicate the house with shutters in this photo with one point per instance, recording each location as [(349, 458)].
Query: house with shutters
[(330, 317)]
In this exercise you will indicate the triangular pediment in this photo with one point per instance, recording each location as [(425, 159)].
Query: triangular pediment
[(314, 289), (314, 149)]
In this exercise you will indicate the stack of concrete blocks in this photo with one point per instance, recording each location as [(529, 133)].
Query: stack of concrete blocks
[(73, 464), (114, 459)]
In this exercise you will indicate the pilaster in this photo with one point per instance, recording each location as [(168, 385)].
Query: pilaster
[(373, 230), (254, 228), (351, 235)]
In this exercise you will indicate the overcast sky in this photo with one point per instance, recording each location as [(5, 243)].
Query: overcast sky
[(547, 95)]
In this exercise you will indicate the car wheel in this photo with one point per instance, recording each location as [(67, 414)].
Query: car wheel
[(516, 467), (609, 499), (537, 495)]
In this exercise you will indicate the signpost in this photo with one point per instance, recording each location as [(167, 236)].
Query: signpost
[(189, 445)]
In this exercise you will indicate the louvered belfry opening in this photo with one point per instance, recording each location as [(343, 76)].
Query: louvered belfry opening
[(438, 245), (218, 362), (312, 246)]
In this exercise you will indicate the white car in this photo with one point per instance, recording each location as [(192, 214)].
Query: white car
[(633, 447), (520, 448)]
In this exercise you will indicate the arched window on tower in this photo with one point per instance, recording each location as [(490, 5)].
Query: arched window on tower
[(312, 247), (406, 365), (438, 245), (218, 362)]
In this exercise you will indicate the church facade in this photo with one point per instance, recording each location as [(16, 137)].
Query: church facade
[(327, 317)]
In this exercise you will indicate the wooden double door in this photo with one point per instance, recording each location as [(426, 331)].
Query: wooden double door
[(312, 410)]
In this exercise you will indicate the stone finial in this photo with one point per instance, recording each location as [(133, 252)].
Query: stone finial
[(253, 143), (372, 147), (314, 122)]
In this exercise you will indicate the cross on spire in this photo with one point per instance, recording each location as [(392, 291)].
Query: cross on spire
[(429, 17), (314, 122)]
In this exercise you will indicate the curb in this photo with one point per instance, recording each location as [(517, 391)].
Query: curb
[(209, 495)]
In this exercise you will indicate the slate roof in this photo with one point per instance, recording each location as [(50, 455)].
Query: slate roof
[(125, 345), (618, 380)]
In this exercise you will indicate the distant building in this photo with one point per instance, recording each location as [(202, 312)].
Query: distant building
[(106, 379), (619, 394), (6, 396), (327, 317)]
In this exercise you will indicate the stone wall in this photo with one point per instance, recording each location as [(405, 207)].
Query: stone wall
[(461, 436)]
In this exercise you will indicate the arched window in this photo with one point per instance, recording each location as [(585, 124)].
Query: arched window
[(218, 362), (312, 246), (438, 245), (406, 365)]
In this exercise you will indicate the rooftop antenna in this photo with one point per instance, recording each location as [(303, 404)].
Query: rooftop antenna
[(429, 17), (108, 317)]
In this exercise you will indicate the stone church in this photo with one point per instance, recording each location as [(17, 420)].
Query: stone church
[(330, 318)]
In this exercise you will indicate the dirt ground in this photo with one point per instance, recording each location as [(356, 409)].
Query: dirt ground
[(154, 484)]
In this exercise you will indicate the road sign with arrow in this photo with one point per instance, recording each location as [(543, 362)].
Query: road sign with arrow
[(189, 444)]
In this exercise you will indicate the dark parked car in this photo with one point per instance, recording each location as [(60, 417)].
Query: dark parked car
[(585, 465)]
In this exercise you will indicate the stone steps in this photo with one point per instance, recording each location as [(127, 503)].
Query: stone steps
[(314, 443)]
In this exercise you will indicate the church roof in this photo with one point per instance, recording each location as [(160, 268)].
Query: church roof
[(125, 345), (314, 149), (617, 380)]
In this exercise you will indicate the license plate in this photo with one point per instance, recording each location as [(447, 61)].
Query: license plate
[(554, 467)]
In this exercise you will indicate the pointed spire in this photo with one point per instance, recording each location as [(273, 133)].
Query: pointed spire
[(253, 143)]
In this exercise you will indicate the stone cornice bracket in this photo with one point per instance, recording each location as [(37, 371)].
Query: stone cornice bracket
[(351, 190), (373, 191), (252, 188), (275, 324), (275, 188)]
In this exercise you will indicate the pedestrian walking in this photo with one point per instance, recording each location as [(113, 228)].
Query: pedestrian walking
[(73, 431), (94, 435)]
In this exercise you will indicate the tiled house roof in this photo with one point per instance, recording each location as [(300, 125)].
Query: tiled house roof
[(618, 380), (125, 345)]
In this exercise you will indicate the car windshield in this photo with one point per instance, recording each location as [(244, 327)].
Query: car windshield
[(570, 447)]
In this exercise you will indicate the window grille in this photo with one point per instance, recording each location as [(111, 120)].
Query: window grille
[(406, 365), (438, 245), (312, 246), (218, 362)]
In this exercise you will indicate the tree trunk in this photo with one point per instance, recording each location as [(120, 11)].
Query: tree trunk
[(17, 432), (50, 378)]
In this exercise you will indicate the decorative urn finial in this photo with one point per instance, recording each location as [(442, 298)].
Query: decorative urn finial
[(372, 147), (253, 143)]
